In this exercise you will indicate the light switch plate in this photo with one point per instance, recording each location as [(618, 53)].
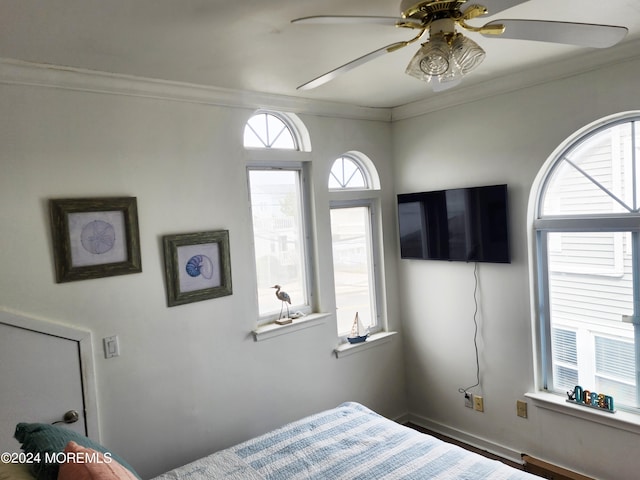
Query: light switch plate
[(111, 346)]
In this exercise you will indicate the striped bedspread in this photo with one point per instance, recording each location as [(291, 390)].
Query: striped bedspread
[(347, 442)]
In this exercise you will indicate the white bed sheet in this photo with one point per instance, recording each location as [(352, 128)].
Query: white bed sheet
[(348, 442)]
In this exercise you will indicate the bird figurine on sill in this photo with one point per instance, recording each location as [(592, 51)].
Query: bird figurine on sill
[(286, 301)]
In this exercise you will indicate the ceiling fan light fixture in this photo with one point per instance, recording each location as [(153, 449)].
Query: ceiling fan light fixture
[(466, 53), (433, 58), (445, 59)]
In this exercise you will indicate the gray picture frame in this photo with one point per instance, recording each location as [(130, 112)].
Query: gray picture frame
[(94, 237), (197, 266)]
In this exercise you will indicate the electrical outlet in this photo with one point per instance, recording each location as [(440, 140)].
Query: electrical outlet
[(478, 403), (468, 400), (521, 407)]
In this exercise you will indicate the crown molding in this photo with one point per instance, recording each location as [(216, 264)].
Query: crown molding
[(568, 67), (16, 72)]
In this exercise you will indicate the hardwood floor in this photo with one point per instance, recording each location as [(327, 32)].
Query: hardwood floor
[(479, 451), (531, 465)]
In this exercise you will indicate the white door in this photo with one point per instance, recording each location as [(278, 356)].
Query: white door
[(40, 380)]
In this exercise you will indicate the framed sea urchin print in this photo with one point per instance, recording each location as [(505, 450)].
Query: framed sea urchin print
[(94, 237), (197, 266)]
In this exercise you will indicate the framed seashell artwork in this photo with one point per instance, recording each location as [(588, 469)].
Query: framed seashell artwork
[(94, 237), (197, 266)]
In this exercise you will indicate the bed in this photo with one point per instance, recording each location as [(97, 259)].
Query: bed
[(347, 442)]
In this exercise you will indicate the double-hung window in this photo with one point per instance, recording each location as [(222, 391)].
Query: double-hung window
[(355, 245), (278, 200), (277, 206), (588, 259)]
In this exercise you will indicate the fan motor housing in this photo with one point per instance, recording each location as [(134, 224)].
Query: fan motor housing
[(431, 10)]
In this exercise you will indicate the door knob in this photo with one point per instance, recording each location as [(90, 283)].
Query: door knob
[(71, 416)]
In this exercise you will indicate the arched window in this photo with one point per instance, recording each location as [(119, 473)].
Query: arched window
[(355, 171), (356, 242), (278, 208), (268, 130), (587, 222), (346, 172)]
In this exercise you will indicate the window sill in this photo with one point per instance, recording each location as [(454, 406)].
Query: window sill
[(556, 403), (374, 340), (271, 330)]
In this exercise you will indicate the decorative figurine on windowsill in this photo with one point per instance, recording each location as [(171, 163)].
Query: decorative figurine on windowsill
[(358, 333), (286, 301), (586, 398)]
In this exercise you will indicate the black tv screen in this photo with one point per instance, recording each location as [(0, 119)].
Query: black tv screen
[(463, 224)]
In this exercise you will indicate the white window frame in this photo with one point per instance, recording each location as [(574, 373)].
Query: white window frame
[(302, 169), (369, 196), (364, 171), (297, 128), (615, 222), (297, 160), (375, 276)]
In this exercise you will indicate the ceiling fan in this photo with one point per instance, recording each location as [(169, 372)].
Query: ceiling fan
[(447, 55)]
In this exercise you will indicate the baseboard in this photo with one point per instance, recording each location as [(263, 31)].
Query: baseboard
[(493, 450), (550, 471), (465, 438), (402, 419)]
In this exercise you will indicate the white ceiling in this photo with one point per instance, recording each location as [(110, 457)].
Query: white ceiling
[(251, 45)]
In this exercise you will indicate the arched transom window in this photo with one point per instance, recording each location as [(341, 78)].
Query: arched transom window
[(347, 172), (267, 130)]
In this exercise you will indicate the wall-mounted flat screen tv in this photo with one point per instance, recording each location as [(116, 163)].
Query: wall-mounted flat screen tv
[(462, 224)]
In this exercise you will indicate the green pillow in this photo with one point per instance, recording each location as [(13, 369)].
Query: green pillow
[(42, 439)]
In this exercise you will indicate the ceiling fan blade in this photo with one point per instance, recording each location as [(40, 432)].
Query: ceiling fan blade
[(327, 77), (359, 19), (582, 34), (497, 6)]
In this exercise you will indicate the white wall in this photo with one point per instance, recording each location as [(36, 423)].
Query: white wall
[(502, 139), (190, 379)]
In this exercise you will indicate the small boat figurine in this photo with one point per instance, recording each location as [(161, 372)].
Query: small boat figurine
[(356, 336)]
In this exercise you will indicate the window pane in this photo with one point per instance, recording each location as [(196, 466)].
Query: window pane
[(345, 173), (590, 289), (615, 369), (622, 393), (565, 378), (564, 346), (590, 277), (265, 130), (590, 177), (615, 358), (565, 367), (598, 253), (352, 266), (279, 241)]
